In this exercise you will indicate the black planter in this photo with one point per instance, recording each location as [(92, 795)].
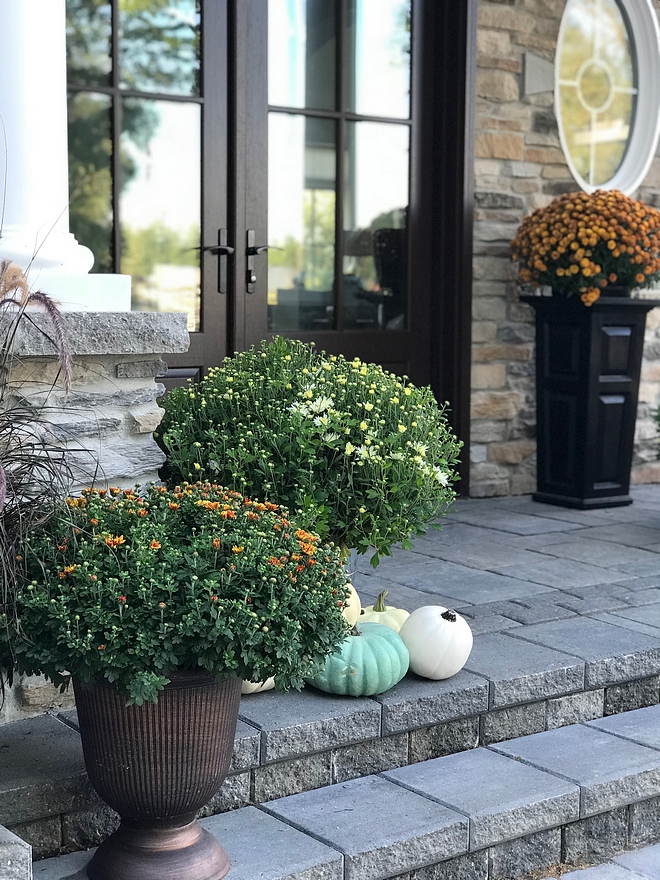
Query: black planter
[(588, 362)]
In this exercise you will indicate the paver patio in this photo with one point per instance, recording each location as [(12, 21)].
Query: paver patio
[(565, 608)]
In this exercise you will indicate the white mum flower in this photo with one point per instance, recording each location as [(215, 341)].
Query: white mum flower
[(366, 452), (321, 421), (330, 437), (321, 404), (441, 476)]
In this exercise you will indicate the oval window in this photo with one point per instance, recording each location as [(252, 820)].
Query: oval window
[(605, 74)]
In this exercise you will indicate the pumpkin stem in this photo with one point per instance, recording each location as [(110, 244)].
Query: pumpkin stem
[(379, 604), (449, 615), (355, 631)]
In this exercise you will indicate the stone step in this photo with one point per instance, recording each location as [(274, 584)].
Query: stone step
[(570, 796), (290, 743), (644, 864)]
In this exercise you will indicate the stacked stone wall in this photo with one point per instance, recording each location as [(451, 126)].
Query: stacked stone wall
[(519, 166), (104, 425)]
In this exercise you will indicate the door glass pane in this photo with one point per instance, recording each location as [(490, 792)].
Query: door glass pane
[(159, 46), (301, 53), (597, 87), (375, 226), (160, 206), (90, 178), (301, 221), (88, 38), (378, 59)]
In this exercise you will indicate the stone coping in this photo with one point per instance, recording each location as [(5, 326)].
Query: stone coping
[(104, 333), (488, 814)]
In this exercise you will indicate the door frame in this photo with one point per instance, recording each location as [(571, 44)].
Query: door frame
[(442, 189)]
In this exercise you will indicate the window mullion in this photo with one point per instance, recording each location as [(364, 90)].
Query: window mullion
[(117, 115), (342, 48)]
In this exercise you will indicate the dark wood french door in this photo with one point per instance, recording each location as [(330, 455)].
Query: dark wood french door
[(332, 139)]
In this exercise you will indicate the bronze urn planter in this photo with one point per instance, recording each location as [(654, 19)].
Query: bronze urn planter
[(157, 764)]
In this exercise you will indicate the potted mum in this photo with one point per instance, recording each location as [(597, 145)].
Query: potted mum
[(359, 455), (158, 604), (590, 250)]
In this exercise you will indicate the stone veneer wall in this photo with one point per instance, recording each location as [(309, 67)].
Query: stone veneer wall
[(520, 166), (106, 423)]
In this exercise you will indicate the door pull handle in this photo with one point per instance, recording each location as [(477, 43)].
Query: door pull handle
[(222, 250)]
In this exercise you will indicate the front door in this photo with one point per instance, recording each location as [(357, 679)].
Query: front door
[(293, 167), (331, 149)]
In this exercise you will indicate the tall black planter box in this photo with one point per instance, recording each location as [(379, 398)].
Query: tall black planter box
[(588, 363)]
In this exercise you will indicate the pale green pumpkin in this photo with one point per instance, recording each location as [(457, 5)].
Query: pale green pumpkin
[(371, 660)]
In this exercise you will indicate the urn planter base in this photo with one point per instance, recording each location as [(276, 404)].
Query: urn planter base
[(157, 764), (143, 852)]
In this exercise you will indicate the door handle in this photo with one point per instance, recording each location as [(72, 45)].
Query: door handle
[(253, 250), (261, 249), (222, 250)]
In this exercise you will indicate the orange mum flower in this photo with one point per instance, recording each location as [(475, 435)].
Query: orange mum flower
[(155, 545), (115, 541)]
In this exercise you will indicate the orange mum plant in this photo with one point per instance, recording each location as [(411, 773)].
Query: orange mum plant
[(581, 243)]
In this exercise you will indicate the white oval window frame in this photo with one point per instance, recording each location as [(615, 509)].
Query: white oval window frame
[(643, 142)]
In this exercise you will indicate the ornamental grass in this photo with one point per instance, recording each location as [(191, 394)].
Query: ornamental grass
[(581, 243), (357, 454), (129, 586)]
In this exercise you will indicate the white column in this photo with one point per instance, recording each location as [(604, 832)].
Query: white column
[(34, 188)]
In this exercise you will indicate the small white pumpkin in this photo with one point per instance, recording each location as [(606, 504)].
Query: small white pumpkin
[(388, 615), (439, 641), (252, 687), (352, 607)]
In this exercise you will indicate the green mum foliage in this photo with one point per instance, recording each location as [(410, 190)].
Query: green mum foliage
[(128, 587), (357, 454)]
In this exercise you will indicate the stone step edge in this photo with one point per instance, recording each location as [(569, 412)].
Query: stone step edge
[(549, 824), (15, 857), (72, 809)]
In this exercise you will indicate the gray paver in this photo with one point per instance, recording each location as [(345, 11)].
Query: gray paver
[(309, 721), (56, 781), (603, 872), (69, 867), (418, 702), (381, 828), (612, 653), (645, 861), (458, 582), (626, 534), (15, 857), (641, 726), (610, 771), (520, 674), (646, 614), (261, 846), (503, 798), (518, 523), (560, 573), (604, 554)]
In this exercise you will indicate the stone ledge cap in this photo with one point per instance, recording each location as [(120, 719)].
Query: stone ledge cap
[(104, 333)]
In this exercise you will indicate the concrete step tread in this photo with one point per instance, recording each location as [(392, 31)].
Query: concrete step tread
[(448, 808)]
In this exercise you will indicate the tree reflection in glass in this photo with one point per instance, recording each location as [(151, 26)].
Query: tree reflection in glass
[(88, 39), (159, 46), (160, 206)]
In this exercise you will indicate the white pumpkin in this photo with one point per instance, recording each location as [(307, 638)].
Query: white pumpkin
[(252, 687), (387, 615), (353, 606), (439, 641)]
